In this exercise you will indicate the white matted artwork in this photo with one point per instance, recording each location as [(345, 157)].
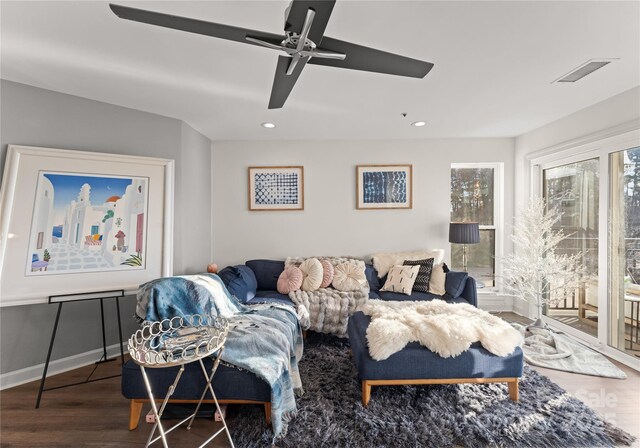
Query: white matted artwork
[(276, 188), (77, 222), (384, 187)]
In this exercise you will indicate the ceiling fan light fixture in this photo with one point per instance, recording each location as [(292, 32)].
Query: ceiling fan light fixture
[(418, 124), (268, 125)]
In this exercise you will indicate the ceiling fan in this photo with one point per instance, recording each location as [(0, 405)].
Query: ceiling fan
[(303, 42)]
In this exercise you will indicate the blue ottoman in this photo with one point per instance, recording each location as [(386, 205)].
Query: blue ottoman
[(416, 364), (230, 385)]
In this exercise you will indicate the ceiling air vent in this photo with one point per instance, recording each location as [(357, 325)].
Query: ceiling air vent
[(583, 70)]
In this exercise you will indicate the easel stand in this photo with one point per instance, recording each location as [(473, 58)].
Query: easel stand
[(61, 300)]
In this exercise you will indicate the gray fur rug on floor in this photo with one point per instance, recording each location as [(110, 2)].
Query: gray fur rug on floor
[(331, 413)]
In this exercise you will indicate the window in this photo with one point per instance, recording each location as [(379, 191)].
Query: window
[(476, 196), (574, 189)]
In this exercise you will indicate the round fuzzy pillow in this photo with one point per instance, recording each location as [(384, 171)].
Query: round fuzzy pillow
[(349, 276), (290, 280), (327, 273), (311, 274)]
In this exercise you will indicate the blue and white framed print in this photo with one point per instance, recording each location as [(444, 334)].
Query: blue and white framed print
[(384, 186), (276, 188)]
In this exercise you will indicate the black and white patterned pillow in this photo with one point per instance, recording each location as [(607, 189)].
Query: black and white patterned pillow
[(424, 274)]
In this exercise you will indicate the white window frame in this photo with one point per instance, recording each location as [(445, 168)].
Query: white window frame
[(600, 145), (498, 217)]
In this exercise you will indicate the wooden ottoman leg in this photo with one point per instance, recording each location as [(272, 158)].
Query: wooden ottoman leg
[(513, 389), (267, 412), (366, 392), (135, 409)]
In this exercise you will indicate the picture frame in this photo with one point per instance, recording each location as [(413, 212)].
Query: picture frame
[(76, 222), (276, 188), (382, 187)]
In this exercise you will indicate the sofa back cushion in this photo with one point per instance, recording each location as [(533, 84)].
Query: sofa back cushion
[(372, 277), (240, 281), (267, 273), (455, 282)]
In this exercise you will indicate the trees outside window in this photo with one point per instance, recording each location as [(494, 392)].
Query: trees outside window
[(475, 197)]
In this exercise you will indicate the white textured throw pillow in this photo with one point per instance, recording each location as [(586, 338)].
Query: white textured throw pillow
[(311, 274), (437, 280), (401, 279), (349, 276), (383, 262)]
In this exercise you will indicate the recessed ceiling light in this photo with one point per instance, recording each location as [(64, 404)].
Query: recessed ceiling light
[(268, 125), (585, 69), (418, 124)]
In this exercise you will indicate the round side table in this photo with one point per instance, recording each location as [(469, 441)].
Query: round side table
[(176, 342)]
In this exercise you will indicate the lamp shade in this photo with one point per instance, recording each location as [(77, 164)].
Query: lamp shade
[(464, 233)]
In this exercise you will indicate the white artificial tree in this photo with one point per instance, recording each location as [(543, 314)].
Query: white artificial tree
[(535, 272)]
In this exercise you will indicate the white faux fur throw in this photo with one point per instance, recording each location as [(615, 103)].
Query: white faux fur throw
[(447, 329)]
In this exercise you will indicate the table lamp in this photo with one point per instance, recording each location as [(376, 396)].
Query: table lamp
[(464, 233)]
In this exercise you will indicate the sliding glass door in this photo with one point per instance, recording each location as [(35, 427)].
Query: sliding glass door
[(574, 189), (624, 250), (596, 187)]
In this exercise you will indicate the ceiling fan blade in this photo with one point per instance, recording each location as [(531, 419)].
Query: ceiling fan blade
[(283, 83), (194, 26), (371, 60), (297, 12)]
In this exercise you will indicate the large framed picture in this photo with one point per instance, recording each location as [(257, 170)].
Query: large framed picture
[(80, 222), (276, 188), (384, 186)]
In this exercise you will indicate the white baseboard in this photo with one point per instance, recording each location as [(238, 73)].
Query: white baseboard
[(33, 373), (495, 302), (520, 307)]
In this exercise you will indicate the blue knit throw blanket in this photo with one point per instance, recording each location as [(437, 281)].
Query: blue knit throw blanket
[(263, 339)]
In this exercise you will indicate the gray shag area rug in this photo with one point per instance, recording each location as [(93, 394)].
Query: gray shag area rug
[(330, 414)]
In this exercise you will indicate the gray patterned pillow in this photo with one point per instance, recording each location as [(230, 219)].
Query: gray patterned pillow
[(424, 274)]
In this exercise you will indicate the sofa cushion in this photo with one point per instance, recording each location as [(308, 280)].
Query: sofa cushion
[(437, 280), (401, 279), (312, 273), (327, 273), (266, 272), (372, 277), (455, 282), (270, 297), (290, 280), (424, 274), (386, 260), (396, 296), (240, 281), (349, 276)]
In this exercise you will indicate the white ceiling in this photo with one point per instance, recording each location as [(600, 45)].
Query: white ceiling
[(494, 65)]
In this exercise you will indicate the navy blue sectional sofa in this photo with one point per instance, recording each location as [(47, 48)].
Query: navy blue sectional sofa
[(256, 282)]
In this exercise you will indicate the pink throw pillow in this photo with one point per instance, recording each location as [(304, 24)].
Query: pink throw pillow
[(327, 273), (290, 280)]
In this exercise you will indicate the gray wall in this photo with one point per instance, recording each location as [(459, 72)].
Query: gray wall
[(37, 117), (330, 223)]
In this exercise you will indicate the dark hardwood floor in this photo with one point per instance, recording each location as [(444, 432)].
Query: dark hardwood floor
[(88, 415), (96, 414)]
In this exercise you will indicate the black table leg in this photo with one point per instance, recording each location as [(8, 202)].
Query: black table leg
[(46, 363)]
